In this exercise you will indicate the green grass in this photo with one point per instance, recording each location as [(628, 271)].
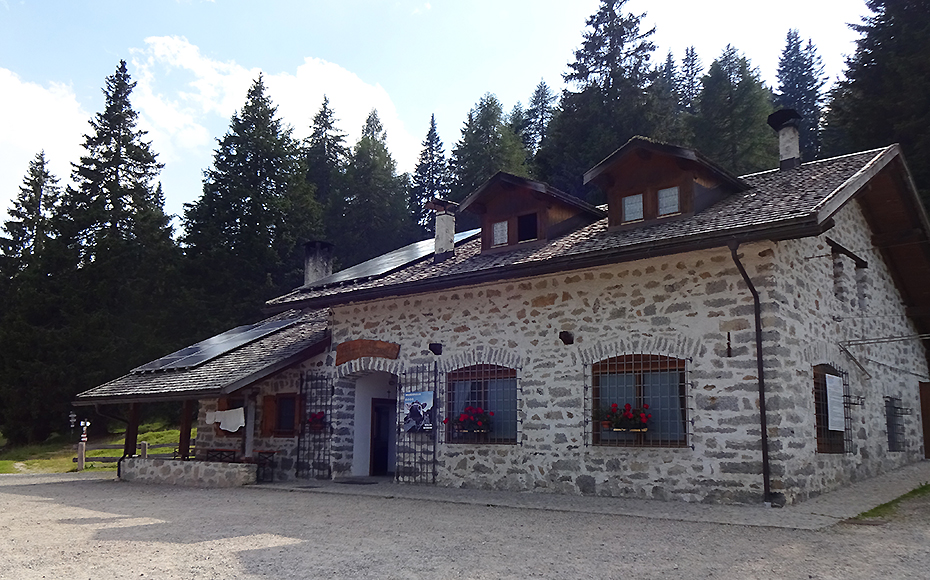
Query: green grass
[(888, 509), (56, 454)]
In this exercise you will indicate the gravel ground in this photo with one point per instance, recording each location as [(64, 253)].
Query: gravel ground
[(81, 526)]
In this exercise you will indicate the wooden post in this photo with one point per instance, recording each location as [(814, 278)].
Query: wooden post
[(82, 449), (132, 431), (249, 439), (144, 449), (184, 444)]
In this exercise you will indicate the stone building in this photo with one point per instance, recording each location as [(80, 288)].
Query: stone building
[(701, 337)]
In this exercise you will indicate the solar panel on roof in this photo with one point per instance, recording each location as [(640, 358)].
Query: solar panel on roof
[(213, 347), (388, 262)]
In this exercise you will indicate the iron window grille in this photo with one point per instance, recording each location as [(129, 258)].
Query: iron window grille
[(415, 460), (831, 441), (314, 443), (894, 422), (488, 393), (652, 385)]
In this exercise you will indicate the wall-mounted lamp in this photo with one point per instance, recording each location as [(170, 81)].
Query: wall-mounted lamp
[(567, 337), (435, 348)]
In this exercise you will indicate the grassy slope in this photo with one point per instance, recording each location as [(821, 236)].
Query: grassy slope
[(55, 455)]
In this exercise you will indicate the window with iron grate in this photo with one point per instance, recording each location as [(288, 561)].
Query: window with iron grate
[(640, 400), (481, 405), (894, 421), (827, 380)]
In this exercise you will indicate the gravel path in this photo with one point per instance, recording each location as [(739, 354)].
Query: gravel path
[(84, 526)]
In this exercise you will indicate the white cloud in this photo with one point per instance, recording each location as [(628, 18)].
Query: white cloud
[(218, 89), (185, 100), (300, 95), (32, 118)]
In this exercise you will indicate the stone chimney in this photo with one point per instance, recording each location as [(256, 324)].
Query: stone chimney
[(318, 261), (445, 228), (785, 123)]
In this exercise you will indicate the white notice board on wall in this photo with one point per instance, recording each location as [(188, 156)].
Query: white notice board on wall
[(836, 419)]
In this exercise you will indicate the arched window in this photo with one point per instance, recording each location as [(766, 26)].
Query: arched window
[(640, 400), (481, 405)]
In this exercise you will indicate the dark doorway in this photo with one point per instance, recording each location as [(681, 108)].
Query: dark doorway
[(925, 416), (383, 419)]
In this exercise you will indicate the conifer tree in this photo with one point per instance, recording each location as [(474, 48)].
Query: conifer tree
[(30, 224), (327, 156), (611, 72), (113, 181), (539, 114), (243, 235), (430, 177), (667, 114), (730, 127), (376, 216), (885, 95), (800, 87), (487, 145), (689, 80)]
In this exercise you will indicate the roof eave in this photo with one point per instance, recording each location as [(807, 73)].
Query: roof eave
[(248, 380), (789, 229)]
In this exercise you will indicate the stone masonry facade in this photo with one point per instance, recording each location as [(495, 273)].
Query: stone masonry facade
[(692, 306)]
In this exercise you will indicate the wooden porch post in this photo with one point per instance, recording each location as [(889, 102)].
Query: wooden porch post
[(184, 444), (132, 431)]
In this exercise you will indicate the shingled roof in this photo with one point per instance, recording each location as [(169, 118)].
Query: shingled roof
[(226, 373), (777, 205)]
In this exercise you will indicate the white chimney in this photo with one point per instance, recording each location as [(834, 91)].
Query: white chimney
[(785, 122), (445, 228), (318, 261)]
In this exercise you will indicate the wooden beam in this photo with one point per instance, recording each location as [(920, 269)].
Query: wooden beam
[(839, 249), (184, 444), (132, 431), (898, 238)]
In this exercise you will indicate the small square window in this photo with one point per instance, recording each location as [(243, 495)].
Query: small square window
[(633, 208), (499, 234), (526, 228), (668, 201)]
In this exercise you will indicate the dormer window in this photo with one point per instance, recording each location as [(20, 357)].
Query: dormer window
[(633, 208), (669, 201), (527, 228)]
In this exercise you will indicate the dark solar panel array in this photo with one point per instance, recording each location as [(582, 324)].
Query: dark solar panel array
[(213, 347), (388, 262)]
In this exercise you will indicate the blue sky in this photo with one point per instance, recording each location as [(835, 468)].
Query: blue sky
[(194, 60)]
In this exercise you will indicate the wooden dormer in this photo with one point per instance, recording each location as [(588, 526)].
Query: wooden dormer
[(648, 182), (519, 212)]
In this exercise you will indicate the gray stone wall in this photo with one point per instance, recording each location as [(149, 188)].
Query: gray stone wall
[(285, 448), (187, 473), (692, 306), (817, 301)]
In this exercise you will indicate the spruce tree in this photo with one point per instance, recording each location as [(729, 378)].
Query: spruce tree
[(30, 223), (610, 103), (689, 80), (327, 156), (487, 145), (430, 177), (885, 95), (730, 127), (243, 235), (376, 216), (667, 114), (539, 114), (800, 87), (113, 181)]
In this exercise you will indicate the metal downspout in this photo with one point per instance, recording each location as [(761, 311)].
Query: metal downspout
[(763, 420)]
